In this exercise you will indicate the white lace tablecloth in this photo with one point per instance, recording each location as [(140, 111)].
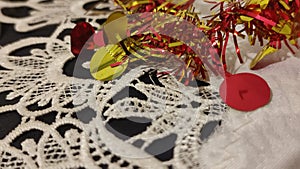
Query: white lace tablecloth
[(267, 138)]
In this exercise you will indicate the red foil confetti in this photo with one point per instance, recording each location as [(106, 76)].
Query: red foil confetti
[(79, 36), (245, 91)]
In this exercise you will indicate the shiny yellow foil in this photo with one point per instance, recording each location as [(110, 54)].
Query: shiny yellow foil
[(103, 63), (264, 52)]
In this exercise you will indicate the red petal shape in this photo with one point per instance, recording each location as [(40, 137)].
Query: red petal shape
[(245, 91), (79, 35)]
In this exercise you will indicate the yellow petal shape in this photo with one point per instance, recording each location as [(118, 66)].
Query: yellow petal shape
[(108, 63), (286, 6), (116, 30), (264, 52), (285, 29), (137, 2), (246, 18), (262, 3)]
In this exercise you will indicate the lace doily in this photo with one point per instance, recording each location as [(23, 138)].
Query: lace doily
[(41, 13), (56, 120), (52, 131)]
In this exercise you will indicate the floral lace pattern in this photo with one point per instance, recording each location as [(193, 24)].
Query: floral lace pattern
[(46, 12), (64, 121), (51, 134)]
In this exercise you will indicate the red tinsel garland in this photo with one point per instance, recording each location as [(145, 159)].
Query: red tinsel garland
[(275, 21)]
